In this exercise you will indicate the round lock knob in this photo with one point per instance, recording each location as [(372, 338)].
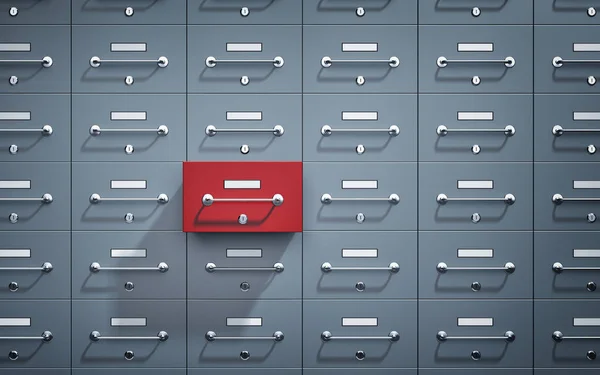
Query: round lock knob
[(129, 286), (360, 218), (13, 149), (360, 149), (244, 12), (13, 286), (591, 355), (244, 355), (360, 80), (476, 355), (591, 80), (278, 336), (13, 80), (475, 80), (13, 355), (13, 218), (129, 218), (360, 11), (129, 11), (591, 12), (129, 80), (245, 80), (591, 217), (13, 11), (475, 286), (475, 149), (591, 149), (243, 219), (245, 149), (475, 218), (129, 149), (475, 12), (591, 286), (360, 286), (245, 286), (360, 355), (129, 355)]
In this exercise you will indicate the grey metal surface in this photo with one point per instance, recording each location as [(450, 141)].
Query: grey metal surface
[(145, 12), (559, 12), (270, 12), (375, 12), (474, 12), (35, 12)]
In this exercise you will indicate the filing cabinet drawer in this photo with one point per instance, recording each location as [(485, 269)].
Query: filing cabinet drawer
[(129, 128), (128, 59), (35, 128), (360, 196), (477, 372), (370, 371), (35, 12), (361, 334), (32, 371), (128, 371), (475, 12), (128, 334), (359, 265), (565, 371), (35, 196), (367, 59), (129, 265), (248, 334), (567, 265), (475, 59), (41, 332), (239, 12), (480, 334), (559, 12), (243, 127), (141, 12), (567, 196), (244, 265), (35, 59), (242, 197), (469, 196), (134, 196), (243, 59), (246, 371), (483, 128), (360, 128), (352, 12), (475, 265)]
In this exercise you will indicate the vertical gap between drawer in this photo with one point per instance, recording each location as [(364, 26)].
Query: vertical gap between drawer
[(417, 183), (532, 329), (71, 190)]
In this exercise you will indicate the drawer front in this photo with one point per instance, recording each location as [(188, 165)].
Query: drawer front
[(129, 128), (360, 128), (240, 266), (474, 12), (479, 321), (129, 322), (128, 59), (477, 371), (469, 196), (142, 12), (334, 59), (505, 54), (482, 128), (128, 371), (389, 325), (242, 127), (359, 265), (360, 196), (34, 371), (129, 265), (242, 197), (49, 46), (34, 12), (279, 320), (557, 12), (47, 320), (475, 265), (347, 371), (24, 114), (216, 12), (350, 12), (566, 371), (241, 59), (246, 371), (135, 196)]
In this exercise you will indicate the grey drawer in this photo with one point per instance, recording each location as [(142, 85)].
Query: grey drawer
[(370, 371), (279, 55), (239, 319), (475, 12), (49, 114), (35, 12), (129, 128), (392, 323), (485, 192), (353, 12), (141, 265), (129, 322), (490, 44), (239, 12), (240, 116), (557, 12), (478, 320), (137, 12), (390, 52), (566, 371), (483, 128), (475, 265), (360, 128), (131, 371), (477, 372), (359, 266), (246, 371), (130, 44), (375, 196), (34, 371)]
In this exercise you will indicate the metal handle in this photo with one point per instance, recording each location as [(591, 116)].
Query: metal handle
[(327, 199), (212, 336), (559, 199), (46, 61), (212, 61), (160, 336), (558, 62), (508, 130), (161, 130), (509, 336), (393, 268), (46, 337), (96, 198), (393, 130), (46, 198), (208, 200), (277, 130), (558, 130), (162, 62), (508, 199), (47, 267), (392, 336), (327, 61), (46, 130), (558, 337), (211, 267), (443, 62), (558, 268), (161, 267), (509, 267)]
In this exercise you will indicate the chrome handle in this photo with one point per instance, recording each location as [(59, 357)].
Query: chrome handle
[(212, 336), (509, 336), (559, 199), (558, 268), (211, 267), (558, 62), (327, 199), (208, 200), (46, 130), (443, 62), (46, 337), (508, 130), (508, 199), (162, 62), (46, 61), (47, 267), (327, 61), (161, 267), (392, 336), (46, 198), (96, 198), (558, 337), (161, 130), (393, 268), (160, 336), (277, 130), (558, 130), (509, 267), (393, 130), (212, 61)]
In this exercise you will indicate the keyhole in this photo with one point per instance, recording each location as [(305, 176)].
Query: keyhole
[(245, 355), (360, 149), (129, 11), (243, 219), (476, 12), (244, 80), (14, 11), (360, 80), (476, 218), (245, 286), (245, 149), (360, 11), (476, 286), (13, 149), (13, 286), (129, 286), (591, 286), (360, 218), (129, 80), (129, 355), (13, 355), (591, 217), (591, 11), (476, 355), (13, 80), (360, 355), (129, 218), (360, 286), (591, 355), (475, 149), (13, 218), (245, 11), (591, 149), (476, 80), (129, 149), (591, 80)]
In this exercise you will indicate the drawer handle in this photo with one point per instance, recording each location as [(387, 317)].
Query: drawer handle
[(211, 267), (443, 62), (160, 336), (212, 336), (509, 267), (327, 199), (392, 336), (161, 267), (558, 199), (558, 337), (212, 130), (161, 130), (208, 200), (46, 198), (327, 61), (558, 268), (46, 61), (509, 336), (212, 61), (508, 130), (46, 130), (558, 62), (393, 130), (508, 199), (162, 62), (558, 130), (45, 337), (47, 267), (393, 268), (96, 198)]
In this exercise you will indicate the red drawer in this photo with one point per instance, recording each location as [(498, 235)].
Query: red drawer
[(242, 196)]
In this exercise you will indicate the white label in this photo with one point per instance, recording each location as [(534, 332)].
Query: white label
[(475, 322), (127, 322), (359, 47), (244, 47), (244, 253), (355, 184), (586, 322), (360, 116), (586, 47), (475, 47), (15, 184), (241, 184), (15, 253), (15, 47), (116, 116), (586, 253), (586, 116), (124, 184), (359, 253), (244, 116), (15, 322), (586, 184), (483, 184), (475, 116), (128, 47), (15, 116), (475, 253), (127, 253), (359, 322), (244, 322)]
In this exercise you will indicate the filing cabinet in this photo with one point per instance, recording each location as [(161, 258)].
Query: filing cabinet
[(260, 12), (141, 12), (475, 12), (565, 12), (35, 12), (349, 12)]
